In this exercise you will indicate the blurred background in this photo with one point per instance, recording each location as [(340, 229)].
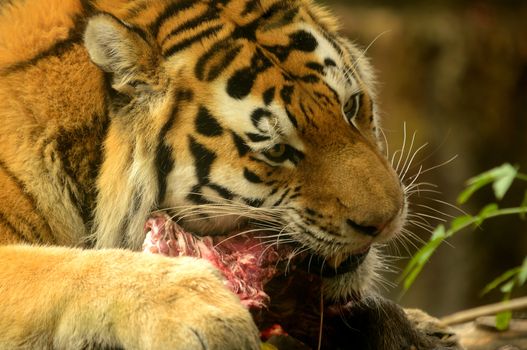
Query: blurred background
[(456, 73)]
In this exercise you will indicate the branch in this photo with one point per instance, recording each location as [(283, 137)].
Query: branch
[(491, 309)]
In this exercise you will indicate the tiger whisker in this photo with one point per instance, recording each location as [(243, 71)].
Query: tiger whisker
[(191, 211), (353, 68), (386, 147), (224, 207), (421, 226), (408, 157), (412, 160), (404, 241), (435, 210), (431, 217), (293, 255), (280, 233), (421, 191), (273, 242), (419, 188), (446, 162), (234, 236), (415, 177), (449, 205), (277, 242), (422, 183), (393, 158), (225, 201), (421, 219), (402, 148), (409, 236)]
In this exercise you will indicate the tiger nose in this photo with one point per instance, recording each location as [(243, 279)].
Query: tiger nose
[(372, 231)]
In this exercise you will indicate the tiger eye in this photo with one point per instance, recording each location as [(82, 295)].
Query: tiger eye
[(277, 151), (352, 106)]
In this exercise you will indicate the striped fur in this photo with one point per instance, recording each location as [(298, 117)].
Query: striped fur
[(112, 109)]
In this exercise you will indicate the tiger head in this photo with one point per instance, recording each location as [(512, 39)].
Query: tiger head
[(242, 111)]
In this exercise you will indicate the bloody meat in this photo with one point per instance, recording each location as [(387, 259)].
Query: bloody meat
[(245, 261), (264, 277)]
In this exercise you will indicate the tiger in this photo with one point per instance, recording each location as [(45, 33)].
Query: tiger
[(114, 109)]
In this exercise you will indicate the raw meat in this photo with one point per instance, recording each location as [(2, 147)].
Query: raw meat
[(245, 261), (285, 306)]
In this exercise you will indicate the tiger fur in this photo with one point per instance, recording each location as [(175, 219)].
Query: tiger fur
[(112, 109)]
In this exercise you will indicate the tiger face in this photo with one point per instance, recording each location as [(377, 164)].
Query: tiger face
[(255, 112)]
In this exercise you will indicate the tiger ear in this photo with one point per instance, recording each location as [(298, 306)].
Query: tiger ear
[(119, 50)]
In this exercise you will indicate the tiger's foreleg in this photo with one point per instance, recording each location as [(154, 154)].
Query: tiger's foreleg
[(60, 298)]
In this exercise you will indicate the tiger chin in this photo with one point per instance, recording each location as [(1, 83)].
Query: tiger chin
[(232, 110)]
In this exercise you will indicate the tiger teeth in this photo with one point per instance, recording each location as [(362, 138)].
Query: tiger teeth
[(335, 261)]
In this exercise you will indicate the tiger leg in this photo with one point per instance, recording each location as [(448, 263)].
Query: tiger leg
[(61, 298)]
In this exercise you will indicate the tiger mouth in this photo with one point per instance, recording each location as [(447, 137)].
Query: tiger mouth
[(329, 268), (247, 262)]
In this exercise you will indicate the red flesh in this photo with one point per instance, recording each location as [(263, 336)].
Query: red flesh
[(244, 260), (289, 302)]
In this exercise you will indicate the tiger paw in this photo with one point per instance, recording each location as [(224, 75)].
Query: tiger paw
[(433, 329), (152, 302)]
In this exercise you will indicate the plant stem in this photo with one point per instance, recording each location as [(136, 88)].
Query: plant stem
[(506, 211), (499, 212), (521, 176)]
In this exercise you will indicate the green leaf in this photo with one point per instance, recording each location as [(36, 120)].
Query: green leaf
[(415, 261), (418, 261), (522, 274), (473, 187), (485, 212), (507, 287), (503, 319), (501, 178), (409, 280), (424, 253), (504, 176), (474, 184), (439, 232), (460, 222), (499, 280)]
